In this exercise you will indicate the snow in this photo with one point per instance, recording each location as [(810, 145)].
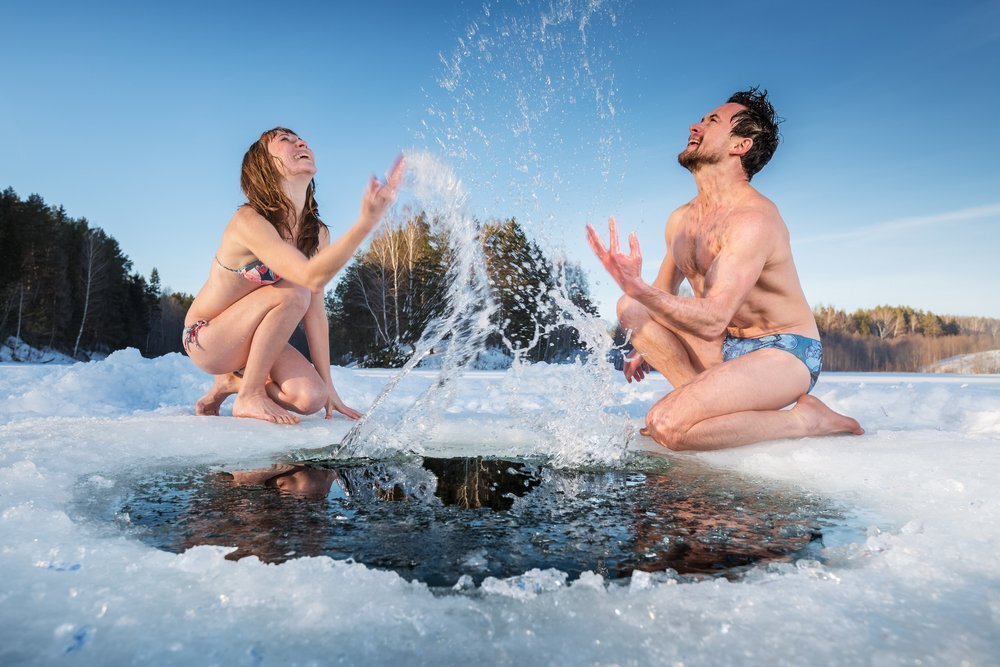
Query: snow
[(979, 362), (15, 349), (925, 588)]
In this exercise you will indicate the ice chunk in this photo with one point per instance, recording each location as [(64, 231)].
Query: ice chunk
[(527, 585)]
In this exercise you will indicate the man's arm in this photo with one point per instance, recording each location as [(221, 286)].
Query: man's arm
[(729, 280), (669, 277)]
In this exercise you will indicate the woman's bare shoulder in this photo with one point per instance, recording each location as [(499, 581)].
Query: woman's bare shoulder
[(246, 216), (247, 224)]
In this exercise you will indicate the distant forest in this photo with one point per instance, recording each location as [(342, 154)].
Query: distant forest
[(70, 287), (899, 338)]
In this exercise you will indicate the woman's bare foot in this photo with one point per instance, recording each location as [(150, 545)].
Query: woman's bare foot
[(260, 406), (224, 386), (821, 420)]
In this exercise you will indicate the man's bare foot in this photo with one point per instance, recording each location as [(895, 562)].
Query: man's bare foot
[(260, 406), (224, 386), (645, 431), (821, 420)]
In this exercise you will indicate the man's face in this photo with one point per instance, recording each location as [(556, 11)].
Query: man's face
[(710, 140)]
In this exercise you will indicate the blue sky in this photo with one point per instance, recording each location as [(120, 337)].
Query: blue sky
[(137, 115)]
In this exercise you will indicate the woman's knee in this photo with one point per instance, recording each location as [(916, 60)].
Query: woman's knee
[(293, 297), (305, 395)]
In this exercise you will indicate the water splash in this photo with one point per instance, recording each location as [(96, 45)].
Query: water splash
[(530, 113), (580, 421), (461, 331), (527, 103), (529, 107)]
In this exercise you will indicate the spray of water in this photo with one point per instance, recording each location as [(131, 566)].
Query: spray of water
[(460, 333), (580, 422), (528, 107)]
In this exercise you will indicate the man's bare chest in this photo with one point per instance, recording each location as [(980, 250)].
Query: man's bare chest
[(695, 247)]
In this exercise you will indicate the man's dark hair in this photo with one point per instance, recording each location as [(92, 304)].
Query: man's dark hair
[(758, 122)]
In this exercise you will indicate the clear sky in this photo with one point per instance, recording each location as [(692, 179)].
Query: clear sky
[(136, 116)]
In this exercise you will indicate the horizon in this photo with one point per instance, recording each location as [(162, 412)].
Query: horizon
[(888, 191)]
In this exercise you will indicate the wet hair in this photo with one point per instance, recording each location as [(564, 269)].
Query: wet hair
[(758, 122), (260, 179)]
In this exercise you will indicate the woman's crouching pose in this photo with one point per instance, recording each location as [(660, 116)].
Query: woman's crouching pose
[(268, 275)]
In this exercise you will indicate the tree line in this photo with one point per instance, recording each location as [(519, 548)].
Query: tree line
[(899, 338), (73, 289), (386, 297), (70, 287)]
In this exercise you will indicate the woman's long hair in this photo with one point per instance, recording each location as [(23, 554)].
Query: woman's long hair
[(261, 183)]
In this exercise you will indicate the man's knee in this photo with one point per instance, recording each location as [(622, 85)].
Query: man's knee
[(666, 429), (631, 313)]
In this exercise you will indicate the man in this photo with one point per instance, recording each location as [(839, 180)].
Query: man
[(747, 344)]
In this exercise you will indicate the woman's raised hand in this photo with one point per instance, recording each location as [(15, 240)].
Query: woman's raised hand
[(379, 196)]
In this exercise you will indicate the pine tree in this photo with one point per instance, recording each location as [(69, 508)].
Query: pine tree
[(521, 278)]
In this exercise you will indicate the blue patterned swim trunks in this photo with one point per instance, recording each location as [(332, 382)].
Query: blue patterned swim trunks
[(807, 350)]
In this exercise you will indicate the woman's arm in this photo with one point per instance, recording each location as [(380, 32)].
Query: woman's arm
[(260, 237), (318, 337), (317, 328)]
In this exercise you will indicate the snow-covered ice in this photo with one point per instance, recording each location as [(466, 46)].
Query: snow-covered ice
[(923, 590)]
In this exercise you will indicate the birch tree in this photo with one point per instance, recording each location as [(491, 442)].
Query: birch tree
[(94, 265)]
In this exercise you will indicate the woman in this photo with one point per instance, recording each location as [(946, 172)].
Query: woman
[(267, 276)]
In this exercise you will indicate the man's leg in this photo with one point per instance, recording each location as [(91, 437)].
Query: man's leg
[(680, 358), (739, 402)]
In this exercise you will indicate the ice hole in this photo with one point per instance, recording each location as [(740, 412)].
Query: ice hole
[(442, 520)]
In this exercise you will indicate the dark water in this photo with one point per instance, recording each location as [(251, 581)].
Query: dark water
[(436, 519)]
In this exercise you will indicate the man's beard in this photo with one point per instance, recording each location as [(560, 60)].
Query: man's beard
[(693, 160)]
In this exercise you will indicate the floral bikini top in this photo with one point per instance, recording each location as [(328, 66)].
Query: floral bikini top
[(256, 272)]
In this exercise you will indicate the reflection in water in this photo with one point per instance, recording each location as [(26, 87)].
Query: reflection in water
[(437, 519)]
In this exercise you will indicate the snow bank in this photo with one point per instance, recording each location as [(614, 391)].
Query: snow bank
[(16, 350), (927, 589), (978, 362)]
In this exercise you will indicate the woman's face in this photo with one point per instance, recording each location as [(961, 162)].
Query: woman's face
[(293, 155)]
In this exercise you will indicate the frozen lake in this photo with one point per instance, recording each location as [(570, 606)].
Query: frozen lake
[(920, 581)]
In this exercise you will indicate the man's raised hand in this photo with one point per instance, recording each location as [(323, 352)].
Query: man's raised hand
[(626, 270)]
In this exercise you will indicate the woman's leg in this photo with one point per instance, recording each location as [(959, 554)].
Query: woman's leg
[(251, 334), (224, 386), (293, 384)]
